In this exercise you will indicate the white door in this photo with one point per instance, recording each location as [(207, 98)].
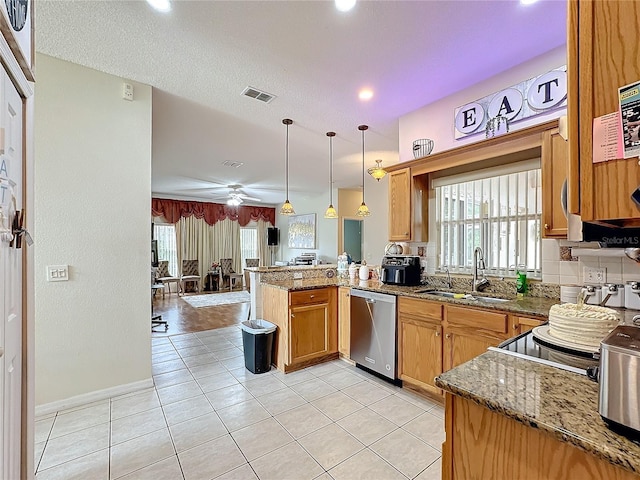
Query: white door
[(11, 166)]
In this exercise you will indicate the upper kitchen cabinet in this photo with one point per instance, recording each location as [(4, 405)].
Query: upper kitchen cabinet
[(400, 205), (407, 212), (602, 55), (554, 160)]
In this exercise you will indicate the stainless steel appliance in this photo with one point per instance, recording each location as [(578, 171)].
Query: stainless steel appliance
[(373, 332), (620, 379), (401, 270)]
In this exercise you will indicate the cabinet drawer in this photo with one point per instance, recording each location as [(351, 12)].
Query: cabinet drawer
[(419, 308), (304, 297), (469, 317)]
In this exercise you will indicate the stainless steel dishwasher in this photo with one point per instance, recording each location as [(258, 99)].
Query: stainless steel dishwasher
[(373, 332)]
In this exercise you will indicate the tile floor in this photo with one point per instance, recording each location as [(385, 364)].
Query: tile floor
[(209, 418)]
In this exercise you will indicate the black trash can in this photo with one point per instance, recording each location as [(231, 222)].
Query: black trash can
[(257, 343)]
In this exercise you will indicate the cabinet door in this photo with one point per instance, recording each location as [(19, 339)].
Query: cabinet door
[(309, 331), (525, 324), (344, 321), (554, 174), (420, 353), (400, 205), (602, 55), (461, 347)]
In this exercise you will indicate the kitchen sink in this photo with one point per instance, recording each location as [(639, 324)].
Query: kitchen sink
[(440, 293)]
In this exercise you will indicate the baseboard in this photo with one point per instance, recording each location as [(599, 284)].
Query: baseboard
[(91, 397)]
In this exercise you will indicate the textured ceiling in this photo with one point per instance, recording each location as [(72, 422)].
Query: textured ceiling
[(201, 55)]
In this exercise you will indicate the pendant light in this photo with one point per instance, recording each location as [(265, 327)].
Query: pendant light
[(363, 210), (377, 172), (287, 208), (331, 212)]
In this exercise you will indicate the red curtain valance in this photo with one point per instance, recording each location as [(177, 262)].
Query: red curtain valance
[(172, 210)]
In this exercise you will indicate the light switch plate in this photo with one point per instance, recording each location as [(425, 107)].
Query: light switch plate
[(594, 275), (57, 273)]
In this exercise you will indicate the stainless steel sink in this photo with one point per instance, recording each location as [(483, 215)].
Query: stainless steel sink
[(463, 296)]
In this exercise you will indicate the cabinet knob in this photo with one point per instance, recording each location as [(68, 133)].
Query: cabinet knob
[(406, 233), (311, 296), (546, 226), (448, 335), (437, 333), (515, 326), (293, 316)]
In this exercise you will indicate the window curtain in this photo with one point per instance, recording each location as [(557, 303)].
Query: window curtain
[(263, 247), (208, 243)]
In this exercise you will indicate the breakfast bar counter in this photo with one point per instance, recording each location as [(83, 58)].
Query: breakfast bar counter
[(508, 417)]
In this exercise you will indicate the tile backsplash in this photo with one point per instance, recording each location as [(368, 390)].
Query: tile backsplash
[(559, 264)]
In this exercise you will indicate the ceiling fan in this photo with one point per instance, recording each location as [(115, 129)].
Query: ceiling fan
[(236, 196)]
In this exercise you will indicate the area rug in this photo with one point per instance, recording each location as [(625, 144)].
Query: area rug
[(214, 299)]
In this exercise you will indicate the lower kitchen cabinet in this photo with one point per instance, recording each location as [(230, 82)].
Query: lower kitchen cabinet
[(344, 321), (419, 343), (307, 325), (524, 324), (461, 346)]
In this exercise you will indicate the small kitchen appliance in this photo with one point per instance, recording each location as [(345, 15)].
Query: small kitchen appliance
[(401, 270), (619, 376), (632, 295)]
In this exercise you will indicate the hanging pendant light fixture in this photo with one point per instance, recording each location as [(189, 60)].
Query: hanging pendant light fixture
[(363, 210), (287, 208), (377, 172), (331, 212)]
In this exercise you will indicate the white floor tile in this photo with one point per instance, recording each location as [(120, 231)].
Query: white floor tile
[(197, 431), (43, 429), (330, 445), (303, 420), (396, 410), (176, 393), (313, 389), (66, 423), (337, 405), (170, 366), (261, 438), (211, 459), (172, 378), (167, 469), (367, 393), (411, 459), (217, 381), (281, 401), (365, 465), (231, 363), (75, 445), (94, 466), (140, 452), (341, 378), (38, 450), (129, 405), (245, 472), (201, 371), (136, 425), (244, 375), (434, 472), (290, 462), (165, 356), (293, 378), (263, 385), (428, 428), (191, 351), (242, 414), (228, 396), (367, 426), (187, 409), (227, 353)]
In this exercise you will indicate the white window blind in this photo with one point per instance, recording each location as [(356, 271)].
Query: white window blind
[(166, 237), (498, 209), (248, 244)]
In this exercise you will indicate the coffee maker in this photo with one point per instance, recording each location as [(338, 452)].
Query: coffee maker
[(401, 270)]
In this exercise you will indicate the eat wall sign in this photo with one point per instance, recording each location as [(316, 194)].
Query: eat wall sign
[(524, 100)]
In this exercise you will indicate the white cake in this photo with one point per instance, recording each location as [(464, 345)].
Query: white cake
[(584, 325)]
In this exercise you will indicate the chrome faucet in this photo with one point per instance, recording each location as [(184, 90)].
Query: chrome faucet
[(449, 284), (478, 261)]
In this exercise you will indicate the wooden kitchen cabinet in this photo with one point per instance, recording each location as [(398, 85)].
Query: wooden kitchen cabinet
[(469, 332), (554, 157), (602, 55), (400, 211), (419, 343), (307, 325), (344, 322), (525, 324)]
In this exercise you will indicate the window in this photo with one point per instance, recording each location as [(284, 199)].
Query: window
[(166, 237), (248, 243), (497, 209)]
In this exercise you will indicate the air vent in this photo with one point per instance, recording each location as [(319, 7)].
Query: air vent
[(229, 163), (258, 94)]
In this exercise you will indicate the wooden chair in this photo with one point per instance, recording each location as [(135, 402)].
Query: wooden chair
[(190, 273), (226, 265), (164, 277), (250, 262)]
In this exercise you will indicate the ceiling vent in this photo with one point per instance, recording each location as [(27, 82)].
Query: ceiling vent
[(258, 94), (229, 163)]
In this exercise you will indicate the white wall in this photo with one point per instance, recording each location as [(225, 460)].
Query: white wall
[(435, 121), (92, 212)]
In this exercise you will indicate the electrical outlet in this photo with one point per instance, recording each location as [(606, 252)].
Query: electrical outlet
[(594, 275), (297, 275)]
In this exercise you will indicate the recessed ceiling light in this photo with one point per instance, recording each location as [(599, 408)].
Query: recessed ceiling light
[(365, 94), (345, 5), (160, 5), (527, 2)]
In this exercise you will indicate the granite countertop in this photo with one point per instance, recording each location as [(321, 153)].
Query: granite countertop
[(286, 268), (561, 403), (529, 306)]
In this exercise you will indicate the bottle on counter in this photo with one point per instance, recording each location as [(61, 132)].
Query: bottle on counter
[(364, 271), (353, 271), (521, 280)]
